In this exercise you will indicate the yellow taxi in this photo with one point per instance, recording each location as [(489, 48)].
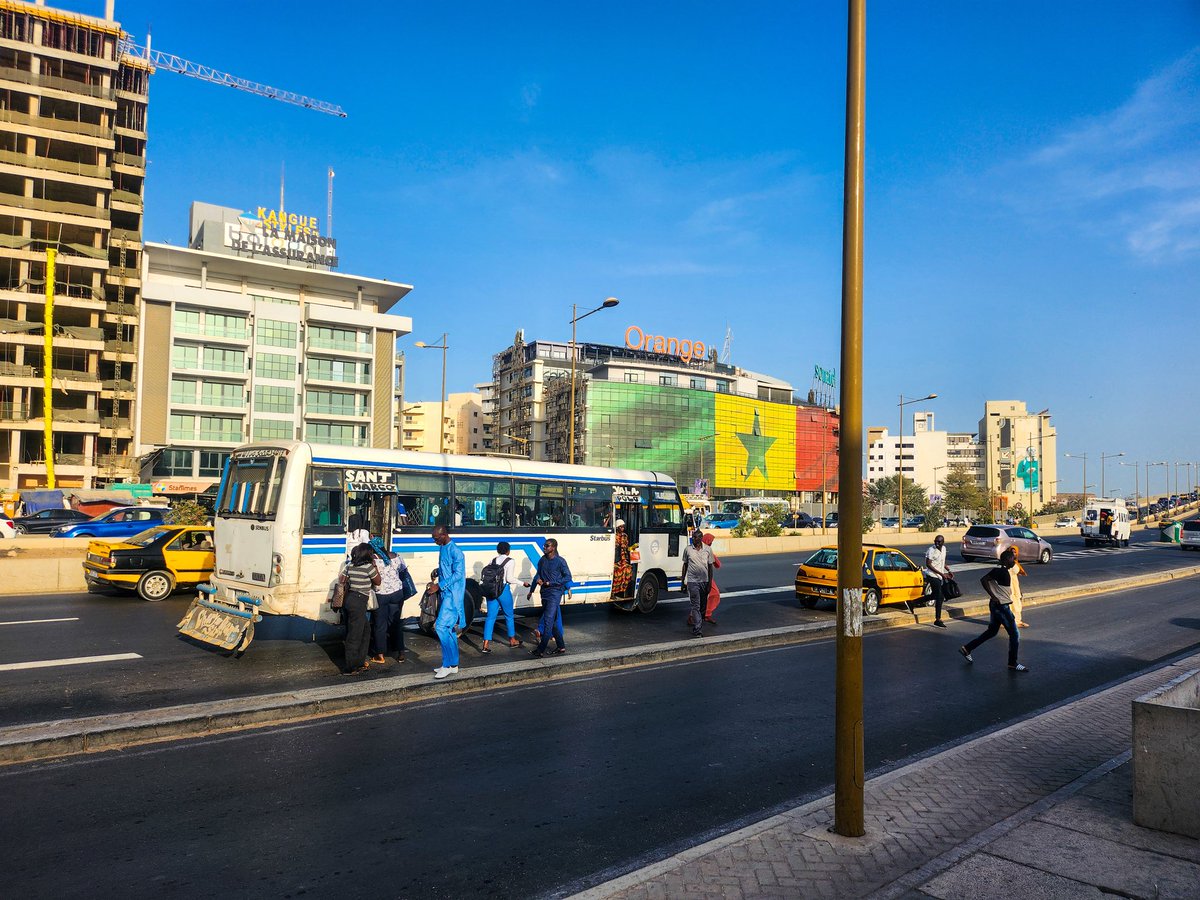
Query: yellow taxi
[(153, 563), (888, 577)]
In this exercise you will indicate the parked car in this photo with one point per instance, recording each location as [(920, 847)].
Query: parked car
[(153, 563), (7, 528), (1189, 535), (125, 521), (987, 542), (1066, 522), (888, 577), (914, 521), (831, 520), (720, 520), (45, 521), (890, 521), (799, 520)]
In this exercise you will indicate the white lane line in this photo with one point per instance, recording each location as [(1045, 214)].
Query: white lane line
[(40, 621), (74, 661), (724, 594)]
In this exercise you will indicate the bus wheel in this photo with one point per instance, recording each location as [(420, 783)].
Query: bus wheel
[(870, 602), (155, 586), (471, 602), (647, 594)]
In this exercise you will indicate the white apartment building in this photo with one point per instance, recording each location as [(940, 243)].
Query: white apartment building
[(462, 426), (235, 349), (925, 454)]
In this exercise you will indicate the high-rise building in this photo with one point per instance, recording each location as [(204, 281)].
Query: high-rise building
[(72, 166), (926, 456), (269, 344), (462, 427), (1021, 448)]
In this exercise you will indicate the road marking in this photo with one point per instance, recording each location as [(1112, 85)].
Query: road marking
[(40, 621), (74, 661), (725, 594)]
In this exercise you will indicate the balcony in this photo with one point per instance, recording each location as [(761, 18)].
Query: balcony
[(55, 125), (129, 160), (359, 381), (335, 347), (334, 410), (66, 167)]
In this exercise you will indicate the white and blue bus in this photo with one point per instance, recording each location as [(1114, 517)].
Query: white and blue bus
[(283, 507)]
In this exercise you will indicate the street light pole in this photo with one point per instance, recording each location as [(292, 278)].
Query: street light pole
[(900, 459), (575, 317), (700, 440), (848, 815), (1082, 456), (1137, 491), (443, 346), (1103, 457)]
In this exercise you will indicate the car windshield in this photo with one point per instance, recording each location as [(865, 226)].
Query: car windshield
[(147, 537)]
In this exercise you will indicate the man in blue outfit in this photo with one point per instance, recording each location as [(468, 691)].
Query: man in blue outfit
[(452, 579), (554, 578)]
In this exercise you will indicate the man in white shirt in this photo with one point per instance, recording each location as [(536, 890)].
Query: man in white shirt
[(936, 573)]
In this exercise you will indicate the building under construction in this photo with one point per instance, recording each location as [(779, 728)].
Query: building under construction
[(72, 167)]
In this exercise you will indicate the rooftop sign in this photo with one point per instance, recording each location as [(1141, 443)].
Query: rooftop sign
[(282, 235), (636, 339)]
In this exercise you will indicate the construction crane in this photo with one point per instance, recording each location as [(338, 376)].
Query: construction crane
[(173, 63)]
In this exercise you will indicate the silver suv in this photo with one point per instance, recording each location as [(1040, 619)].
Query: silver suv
[(1189, 535), (987, 542)]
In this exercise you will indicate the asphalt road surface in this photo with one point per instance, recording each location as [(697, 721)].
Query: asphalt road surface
[(544, 789), (81, 655)]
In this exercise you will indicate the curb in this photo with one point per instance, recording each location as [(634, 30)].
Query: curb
[(96, 734)]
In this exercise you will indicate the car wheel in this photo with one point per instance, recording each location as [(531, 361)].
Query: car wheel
[(156, 585), (83, 534), (806, 601), (1045, 555), (870, 602), (647, 594), (20, 529)]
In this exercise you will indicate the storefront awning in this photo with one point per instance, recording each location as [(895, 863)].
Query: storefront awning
[(181, 486)]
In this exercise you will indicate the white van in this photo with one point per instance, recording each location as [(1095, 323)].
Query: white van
[(1105, 522)]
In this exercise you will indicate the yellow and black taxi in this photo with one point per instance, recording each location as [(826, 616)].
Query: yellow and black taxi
[(154, 563), (888, 577)]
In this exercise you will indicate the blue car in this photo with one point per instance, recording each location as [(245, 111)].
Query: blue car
[(720, 520), (125, 521)]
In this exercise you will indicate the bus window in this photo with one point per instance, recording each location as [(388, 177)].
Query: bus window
[(483, 502), (588, 506), (424, 499), (252, 486), (541, 505), (326, 510), (663, 511)]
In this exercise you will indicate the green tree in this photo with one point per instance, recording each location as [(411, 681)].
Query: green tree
[(186, 512), (962, 495), (886, 491)]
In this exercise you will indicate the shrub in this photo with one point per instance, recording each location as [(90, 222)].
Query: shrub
[(186, 512), (768, 527)]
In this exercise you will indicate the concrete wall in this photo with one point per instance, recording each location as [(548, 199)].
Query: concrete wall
[(1166, 757)]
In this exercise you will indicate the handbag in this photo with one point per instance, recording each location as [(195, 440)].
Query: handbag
[(430, 605), (409, 588), (951, 590), (338, 600)]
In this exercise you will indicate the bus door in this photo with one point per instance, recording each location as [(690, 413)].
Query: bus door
[(371, 494), (628, 503)]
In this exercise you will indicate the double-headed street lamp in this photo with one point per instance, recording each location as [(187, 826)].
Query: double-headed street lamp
[(900, 457), (700, 440), (1103, 457), (1166, 487), (1137, 491), (443, 346), (575, 317)]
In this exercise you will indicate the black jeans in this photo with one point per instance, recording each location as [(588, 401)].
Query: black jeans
[(357, 632), (1001, 614), (935, 587), (382, 621)]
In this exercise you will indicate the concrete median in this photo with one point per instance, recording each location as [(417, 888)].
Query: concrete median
[(45, 740)]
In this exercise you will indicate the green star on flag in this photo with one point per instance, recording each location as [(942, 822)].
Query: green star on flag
[(757, 444)]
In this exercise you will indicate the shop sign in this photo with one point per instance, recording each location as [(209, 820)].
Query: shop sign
[(636, 339), (825, 376), (180, 486), (371, 481), (626, 494), (282, 235)]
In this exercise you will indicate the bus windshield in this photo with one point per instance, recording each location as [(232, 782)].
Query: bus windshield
[(252, 484)]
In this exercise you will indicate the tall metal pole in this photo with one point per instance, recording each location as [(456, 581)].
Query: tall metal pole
[(900, 471), (442, 423), (848, 723), (48, 369), (574, 319)]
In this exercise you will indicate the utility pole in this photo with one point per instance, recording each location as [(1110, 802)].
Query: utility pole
[(848, 725), (48, 369)]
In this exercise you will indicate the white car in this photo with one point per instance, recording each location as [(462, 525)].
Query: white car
[(1066, 522), (7, 528)]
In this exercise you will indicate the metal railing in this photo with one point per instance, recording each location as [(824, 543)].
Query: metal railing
[(67, 167), (52, 124)]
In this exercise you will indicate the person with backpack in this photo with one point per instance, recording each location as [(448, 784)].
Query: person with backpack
[(393, 591), (496, 582)]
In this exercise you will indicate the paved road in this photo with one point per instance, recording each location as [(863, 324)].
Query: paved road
[(541, 789), (115, 654)]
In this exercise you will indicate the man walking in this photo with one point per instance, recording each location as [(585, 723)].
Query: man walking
[(936, 573), (452, 579), (998, 584), (554, 579), (696, 577)]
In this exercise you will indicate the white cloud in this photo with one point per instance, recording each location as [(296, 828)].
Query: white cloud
[(1132, 174)]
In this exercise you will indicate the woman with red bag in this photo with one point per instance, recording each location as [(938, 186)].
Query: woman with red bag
[(714, 594)]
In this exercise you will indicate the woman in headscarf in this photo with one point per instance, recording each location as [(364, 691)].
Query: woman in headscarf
[(622, 569)]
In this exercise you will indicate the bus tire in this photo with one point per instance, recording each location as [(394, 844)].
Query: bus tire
[(472, 598), (647, 593)]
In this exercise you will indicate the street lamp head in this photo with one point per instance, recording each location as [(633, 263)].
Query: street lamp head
[(931, 397), (610, 302), (420, 344)]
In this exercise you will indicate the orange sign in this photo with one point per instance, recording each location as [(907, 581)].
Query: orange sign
[(636, 339)]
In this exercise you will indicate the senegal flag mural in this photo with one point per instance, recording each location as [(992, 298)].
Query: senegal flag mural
[(737, 444)]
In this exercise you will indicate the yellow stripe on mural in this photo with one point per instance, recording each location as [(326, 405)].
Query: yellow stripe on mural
[(755, 444)]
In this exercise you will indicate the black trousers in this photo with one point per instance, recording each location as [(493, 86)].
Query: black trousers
[(357, 630), (939, 595)]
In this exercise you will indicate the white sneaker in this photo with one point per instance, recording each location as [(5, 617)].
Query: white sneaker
[(453, 670), (443, 672)]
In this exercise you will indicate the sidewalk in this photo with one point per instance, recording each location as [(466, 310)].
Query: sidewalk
[(1038, 809)]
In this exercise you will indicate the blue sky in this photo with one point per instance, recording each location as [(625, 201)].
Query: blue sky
[(1032, 207)]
